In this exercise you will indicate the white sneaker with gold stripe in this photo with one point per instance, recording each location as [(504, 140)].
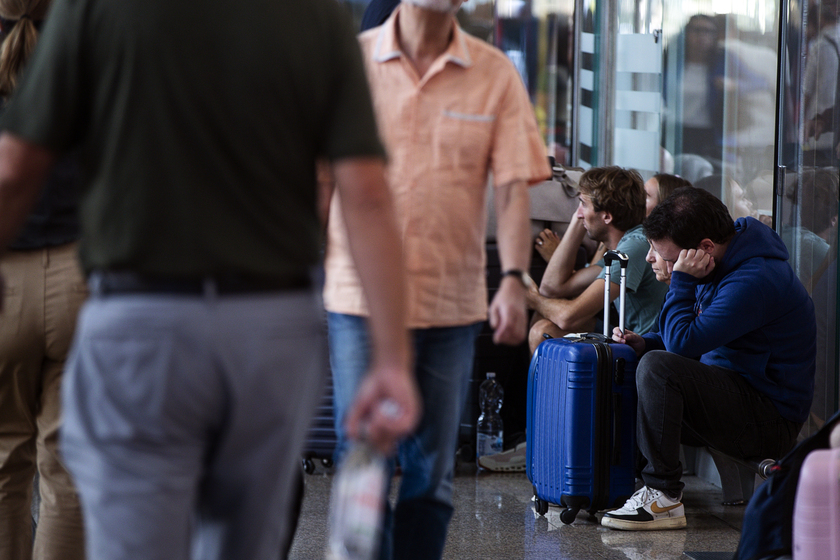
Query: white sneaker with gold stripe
[(648, 509)]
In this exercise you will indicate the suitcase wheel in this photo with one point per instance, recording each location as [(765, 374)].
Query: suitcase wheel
[(541, 506), (308, 466), (568, 515), (327, 463)]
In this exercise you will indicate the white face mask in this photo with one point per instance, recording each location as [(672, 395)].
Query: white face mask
[(444, 6)]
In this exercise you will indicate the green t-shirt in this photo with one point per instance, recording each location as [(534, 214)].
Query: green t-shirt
[(645, 293), (199, 124)]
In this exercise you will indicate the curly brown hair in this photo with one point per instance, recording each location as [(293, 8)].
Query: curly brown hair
[(618, 191)]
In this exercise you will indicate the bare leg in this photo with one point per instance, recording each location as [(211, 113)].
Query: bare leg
[(541, 327)]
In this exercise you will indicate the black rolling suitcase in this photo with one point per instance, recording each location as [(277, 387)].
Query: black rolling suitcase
[(321, 439)]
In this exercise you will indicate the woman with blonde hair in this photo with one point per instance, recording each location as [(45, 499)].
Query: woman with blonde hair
[(20, 20), (44, 289), (659, 187)]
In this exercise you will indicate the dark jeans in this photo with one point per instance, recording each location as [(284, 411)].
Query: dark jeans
[(416, 529), (684, 401)]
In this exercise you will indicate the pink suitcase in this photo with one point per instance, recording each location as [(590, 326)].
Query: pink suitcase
[(816, 512)]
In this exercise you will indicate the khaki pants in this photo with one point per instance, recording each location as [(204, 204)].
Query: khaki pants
[(43, 292)]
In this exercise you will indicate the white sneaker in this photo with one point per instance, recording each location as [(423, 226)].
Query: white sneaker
[(512, 460), (647, 509)]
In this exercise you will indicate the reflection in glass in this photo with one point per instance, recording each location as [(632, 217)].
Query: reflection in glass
[(808, 209), (819, 81), (701, 115), (538, 38), (720, 95), (738, 198), (813, 200), (810, 232)]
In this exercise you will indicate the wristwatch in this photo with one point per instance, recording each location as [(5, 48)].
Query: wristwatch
[(519, 274)]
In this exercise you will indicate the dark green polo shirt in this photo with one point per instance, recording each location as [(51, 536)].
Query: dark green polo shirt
[(199, 123)]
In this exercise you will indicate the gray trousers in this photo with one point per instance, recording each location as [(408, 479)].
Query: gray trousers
[(185, 417), (684, 401)]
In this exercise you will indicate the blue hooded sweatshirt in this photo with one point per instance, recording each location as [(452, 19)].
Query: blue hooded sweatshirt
[(751, 315)]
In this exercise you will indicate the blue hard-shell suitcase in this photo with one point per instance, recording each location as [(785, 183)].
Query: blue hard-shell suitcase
[(581, 419)]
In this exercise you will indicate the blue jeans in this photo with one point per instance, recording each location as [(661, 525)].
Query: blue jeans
[(443, 368)]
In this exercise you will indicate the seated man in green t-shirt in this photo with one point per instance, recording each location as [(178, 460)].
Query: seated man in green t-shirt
[(611, 210), (612, 207)]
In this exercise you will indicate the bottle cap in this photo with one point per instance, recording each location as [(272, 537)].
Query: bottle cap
[(491, 375)]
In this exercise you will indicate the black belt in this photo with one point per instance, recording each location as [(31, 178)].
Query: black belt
[(122, 282)]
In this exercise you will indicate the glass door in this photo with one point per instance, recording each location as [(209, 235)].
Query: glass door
[(807, 175)]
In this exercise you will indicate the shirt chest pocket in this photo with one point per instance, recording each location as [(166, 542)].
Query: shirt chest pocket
[(462, 141)]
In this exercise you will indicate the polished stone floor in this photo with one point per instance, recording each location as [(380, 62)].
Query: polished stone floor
[(495, 520)]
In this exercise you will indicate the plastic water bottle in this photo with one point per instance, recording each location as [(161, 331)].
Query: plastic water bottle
[(490, 429), (357, 505)]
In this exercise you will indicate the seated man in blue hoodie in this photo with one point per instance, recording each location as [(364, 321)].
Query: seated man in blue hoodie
[(732, 365)]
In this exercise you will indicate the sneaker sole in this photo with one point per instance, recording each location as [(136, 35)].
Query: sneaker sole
[(656, 524), (504, 469)]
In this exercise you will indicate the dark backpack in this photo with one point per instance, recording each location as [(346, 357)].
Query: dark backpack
[(767, 531)]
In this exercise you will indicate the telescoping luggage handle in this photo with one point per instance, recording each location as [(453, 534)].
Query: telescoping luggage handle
[(623, 259)]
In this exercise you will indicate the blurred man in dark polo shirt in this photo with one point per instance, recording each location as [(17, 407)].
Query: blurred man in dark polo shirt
[(198, 358)]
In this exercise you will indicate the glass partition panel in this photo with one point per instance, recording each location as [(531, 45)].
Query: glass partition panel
[(635, 88), (807, 183), (638, 96), (720, 98)]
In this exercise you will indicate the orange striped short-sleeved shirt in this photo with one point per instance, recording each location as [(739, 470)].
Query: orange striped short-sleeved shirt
[(444, 133)]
